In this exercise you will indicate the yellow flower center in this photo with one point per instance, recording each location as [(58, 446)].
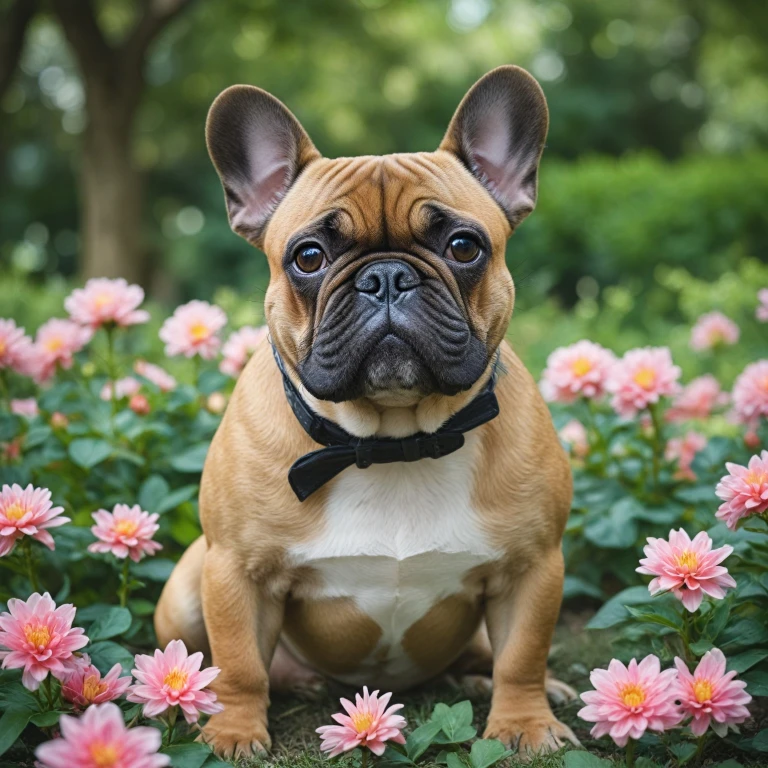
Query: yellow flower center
[(15, 512), (632, 695), (362, 721), (581, 366), (38, 635), (93, 687), (758, 478), (764, 383), (688, 559), (702, 690), (3, 347), (54, 344), (645, 378), (126, 527), (176, 679), (104, 755), (102, 300), (199, 332)]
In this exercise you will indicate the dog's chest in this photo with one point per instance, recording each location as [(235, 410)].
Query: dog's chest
[(397, 540)]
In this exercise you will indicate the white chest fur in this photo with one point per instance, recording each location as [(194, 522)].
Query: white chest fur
[(398, 538)]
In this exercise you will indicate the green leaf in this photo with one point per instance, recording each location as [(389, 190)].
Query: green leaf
[(87, 452), (458, 736), (154, 569), (757, 682), (760, 742), (487, 752), (683, 752), (394, 757), (728, 764), (455, 722), (614, 611), (741, 662), (645, 762), (12, 724), (106, 654), (46, 719), (37, 435), (452, 760), (653, 617), (192, 459), (176, 498), (192, 755), (111, 623), (615, 530), (152, 492), (700, 647), (10, 426), (575, 587), (579, 759), (421, 739), (718, 620), (211, 381)]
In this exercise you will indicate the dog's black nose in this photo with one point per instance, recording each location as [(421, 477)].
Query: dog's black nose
[(387, 280)]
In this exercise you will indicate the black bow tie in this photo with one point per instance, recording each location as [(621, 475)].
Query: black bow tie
[(315, 469)]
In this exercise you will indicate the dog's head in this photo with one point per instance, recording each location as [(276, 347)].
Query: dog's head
[(388, 278)]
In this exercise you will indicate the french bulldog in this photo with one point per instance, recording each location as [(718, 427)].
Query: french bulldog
[(387, 306)]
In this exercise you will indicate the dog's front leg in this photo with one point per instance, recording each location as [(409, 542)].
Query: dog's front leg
[(243, 621), (521, 613)]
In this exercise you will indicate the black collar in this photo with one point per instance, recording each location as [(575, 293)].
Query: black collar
[(313, 470)]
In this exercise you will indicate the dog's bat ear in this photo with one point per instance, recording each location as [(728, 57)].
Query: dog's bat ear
[(258, 148), (498, 132)]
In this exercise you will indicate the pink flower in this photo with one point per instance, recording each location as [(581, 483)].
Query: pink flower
[(27, 512), (155, 375), (139, 405), (711, 695), (25, 407), (697, 400), (641, 378), (123, 388), (13, 345), (580, 370), (172, 678), (689, 569), (100, 739), (574, 436), (629, 700), (750, 393), (56, 343), (682, 450), (761, 313), (712, 330), (368, 723), (239, 347), (103, 301), (744, 490), (85, 686), (193, 330), (125, 532), (39, 638)]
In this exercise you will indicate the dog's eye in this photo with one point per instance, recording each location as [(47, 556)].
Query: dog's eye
[(464, 248), (309, 258)]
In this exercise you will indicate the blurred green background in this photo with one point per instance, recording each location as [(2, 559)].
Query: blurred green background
[(654, 183)]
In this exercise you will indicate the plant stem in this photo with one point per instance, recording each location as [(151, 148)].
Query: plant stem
[(111, 371), (122, 593), (364, 761), (657, 445), (685, 636), (630, 753), (26, 547), (48, 691), (171, 723), (702, 740)]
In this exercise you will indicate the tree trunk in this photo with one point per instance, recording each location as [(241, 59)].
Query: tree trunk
[(111, 194)]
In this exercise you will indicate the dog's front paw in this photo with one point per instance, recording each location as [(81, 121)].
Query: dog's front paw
[(529, 735), (235, 733)]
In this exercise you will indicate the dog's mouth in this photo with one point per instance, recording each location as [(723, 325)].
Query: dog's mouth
[(391, 328)]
